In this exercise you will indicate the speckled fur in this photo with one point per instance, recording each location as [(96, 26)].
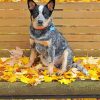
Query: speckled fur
[(49, 42), (57, 46)]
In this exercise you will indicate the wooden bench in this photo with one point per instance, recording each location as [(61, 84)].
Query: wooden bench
[(80, 25)]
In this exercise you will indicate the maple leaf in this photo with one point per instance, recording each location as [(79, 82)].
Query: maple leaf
[(65, 81), (1, 73), (12, 78), (24, 79), (24, 60), (47, 79), (16, 53), (9, 68), (32, 81), (72, 79), (45, 72), (36, 74), (2, 68), (94, 77), (9, 76), (1, 61), (54, 78)]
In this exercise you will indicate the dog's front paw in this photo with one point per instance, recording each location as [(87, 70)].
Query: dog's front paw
[(50, 70), (60, 72), (28, 65)]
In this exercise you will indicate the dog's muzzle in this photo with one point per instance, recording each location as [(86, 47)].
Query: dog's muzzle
[(40, 22)]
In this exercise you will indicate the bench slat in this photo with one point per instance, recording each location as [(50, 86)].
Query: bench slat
[(65, 22), (50, 90), (65, 30), (73, 45), (69, 5), (77, 53), (70, 38), (57, 14)]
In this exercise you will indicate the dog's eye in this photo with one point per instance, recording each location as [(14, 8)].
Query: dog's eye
[(46, 15), (35, 14)]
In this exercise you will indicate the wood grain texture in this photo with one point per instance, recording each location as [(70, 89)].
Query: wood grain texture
[(78, 30), (50, 90), (68, 6), (73, 45), (63, 22), (70, 38), (21, 13), (78, 22), (77, 53)]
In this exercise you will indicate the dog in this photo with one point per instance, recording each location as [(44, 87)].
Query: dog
[(45, 39)]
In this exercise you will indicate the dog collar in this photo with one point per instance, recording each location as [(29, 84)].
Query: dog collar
[(52, 28)]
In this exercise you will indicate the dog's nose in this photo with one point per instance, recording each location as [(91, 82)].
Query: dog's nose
[(40, 22)]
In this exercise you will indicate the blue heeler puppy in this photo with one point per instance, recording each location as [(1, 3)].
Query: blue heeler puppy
[(48, 41)]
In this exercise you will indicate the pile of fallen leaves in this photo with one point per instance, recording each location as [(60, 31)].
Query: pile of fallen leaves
[(13, 69)]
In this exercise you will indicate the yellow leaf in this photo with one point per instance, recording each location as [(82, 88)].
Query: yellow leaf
[(65, 81), (47, 79), (54, 77), (32, 71), (60, 1), (24, 60), (94, 77), (9, 68), (12, 79), (92, 72), (32, 81), (1, 61), (24, 79), (72, 79), (9, 76), (45, 72)]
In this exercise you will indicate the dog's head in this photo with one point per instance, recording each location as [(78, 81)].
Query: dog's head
[(41, 14)]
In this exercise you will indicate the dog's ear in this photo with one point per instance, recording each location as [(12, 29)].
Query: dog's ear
[(51, 5), (31, 4)]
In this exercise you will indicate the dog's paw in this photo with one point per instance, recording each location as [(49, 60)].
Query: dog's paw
[(28, 65), (60, 72), (50, 71)]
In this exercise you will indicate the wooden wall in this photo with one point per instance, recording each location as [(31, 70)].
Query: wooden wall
[(79, 23)]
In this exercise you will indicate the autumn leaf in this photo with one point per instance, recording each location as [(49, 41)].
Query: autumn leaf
[(54, 77), (12, 78), (16, 53), (9, 68), (2, 68), (95, 77), (24, 60), (38, 73), (32, 81), (47, 79), (65, 81), (72, 79), (24, 79), (45, 72), (9, 76), (1, 61)]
